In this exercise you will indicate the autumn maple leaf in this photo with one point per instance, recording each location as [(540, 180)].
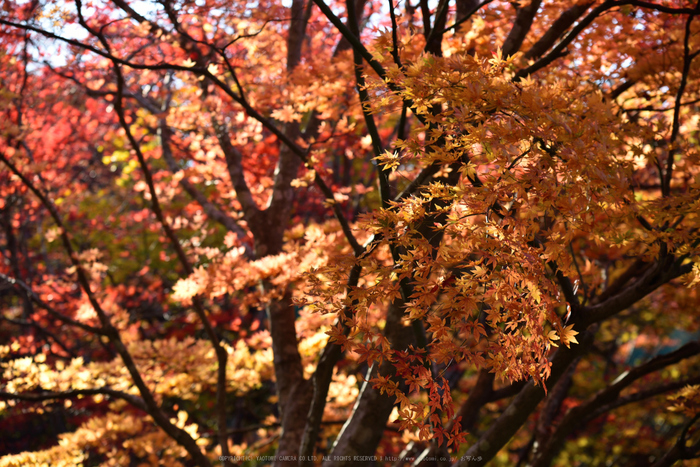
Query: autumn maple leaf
[(567, 335)]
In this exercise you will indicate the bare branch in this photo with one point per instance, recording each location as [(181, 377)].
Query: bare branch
[(354, 40), (297, 32), (425, 12), (552, 405), (560, 49), (653, 278), (521, 27), (210, 209), (467, 16), (564, 22), (344, 43), (433, 41), (234, 163), (606, 400), (615, 93), (634, 270), (394, 33), (383, 175), (680, 449), (687, 60), (659, 8)]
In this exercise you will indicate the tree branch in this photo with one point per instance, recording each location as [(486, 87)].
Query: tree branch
[(394, 32), (322, 378), (553, 403), (522, 406), (560, 49), (179, 435), (521, 26), (365, 427), (42, 330), (675, 128), (607, 399), (615, 93), (433, 41), (221, 353), (210, 209), (653, 278), (585, 322), (354, 40), (467, 16), (680, 449), (564, 22), (467, 414), (634, 270), (234, 163), (46, 396), (35, 298), (425, 14), (383, 175)]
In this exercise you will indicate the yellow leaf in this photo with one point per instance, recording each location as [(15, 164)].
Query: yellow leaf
[(567, 335), (213, 69)]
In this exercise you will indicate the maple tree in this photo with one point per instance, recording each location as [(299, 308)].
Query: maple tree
[(349, 232)]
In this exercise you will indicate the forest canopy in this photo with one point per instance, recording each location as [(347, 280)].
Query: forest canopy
[(319, 232)]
